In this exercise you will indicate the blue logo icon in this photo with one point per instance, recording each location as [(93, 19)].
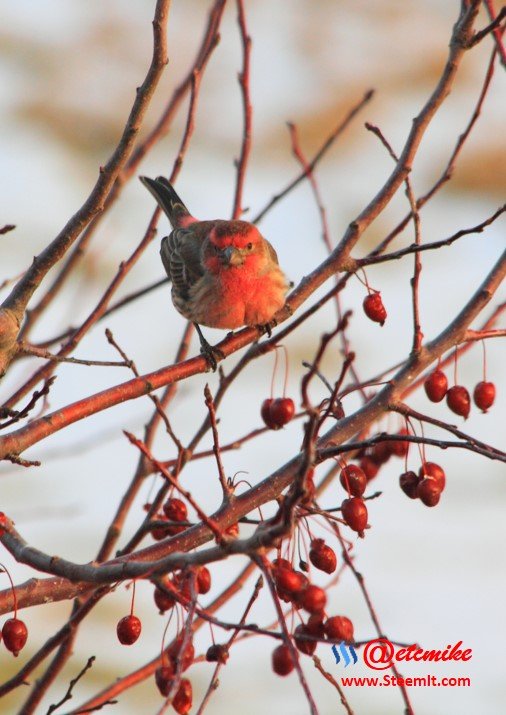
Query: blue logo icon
[(346, 651)]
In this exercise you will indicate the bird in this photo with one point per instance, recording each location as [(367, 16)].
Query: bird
[(224, 273)]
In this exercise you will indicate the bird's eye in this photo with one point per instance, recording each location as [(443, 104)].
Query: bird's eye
[(249, 246)]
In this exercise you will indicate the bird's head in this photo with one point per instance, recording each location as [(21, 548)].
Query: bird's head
[(234, 244)]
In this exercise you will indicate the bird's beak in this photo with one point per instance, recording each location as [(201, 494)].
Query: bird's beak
[(231, 256)]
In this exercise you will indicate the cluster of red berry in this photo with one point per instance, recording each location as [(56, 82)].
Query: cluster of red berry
[(164, 675), (174, 513), (457, 397), (427, 485), (294, 587)]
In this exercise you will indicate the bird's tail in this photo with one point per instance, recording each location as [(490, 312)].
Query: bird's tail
[(168, 201)]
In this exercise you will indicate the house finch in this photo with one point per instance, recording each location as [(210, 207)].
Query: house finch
[(224, 273)]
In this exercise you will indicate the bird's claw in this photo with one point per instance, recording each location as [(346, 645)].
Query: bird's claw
[(266, 328), (212, 355)]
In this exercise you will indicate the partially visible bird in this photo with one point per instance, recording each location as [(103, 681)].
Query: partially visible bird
[(224, 273)]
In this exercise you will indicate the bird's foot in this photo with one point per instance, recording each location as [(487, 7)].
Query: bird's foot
[(212, 355), (266, 328)]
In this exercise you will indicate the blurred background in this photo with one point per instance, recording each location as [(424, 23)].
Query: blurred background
[(69, 73)]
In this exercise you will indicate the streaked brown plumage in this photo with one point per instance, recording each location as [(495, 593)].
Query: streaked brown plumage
[(224, 273)]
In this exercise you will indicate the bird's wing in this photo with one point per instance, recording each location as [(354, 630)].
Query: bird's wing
[(272, 253), (181, 257)]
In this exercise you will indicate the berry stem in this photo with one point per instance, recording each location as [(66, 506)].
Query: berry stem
[(286, 370), (15, 598), (274, 370), (133, 598), (484, 361)]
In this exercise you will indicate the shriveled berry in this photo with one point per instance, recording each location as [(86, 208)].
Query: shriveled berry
[(374, 308), (435, 472), (163, 678), (217, 653), (282, 661), (339, 628), (353, 479), (313, 599), (128, 629), (408, 482), (14, 633), (458, 400), (354, 513), (484, 395), (307, 647), (436, 386), (175, 510), (322, 556), (281, 411), (203, 580), (182, 702), (428, 492)]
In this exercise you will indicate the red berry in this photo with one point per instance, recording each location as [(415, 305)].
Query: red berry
[(435, 472), (128, 629), (14, 633), (400, 448), (429, 492), (374, 308), (307, 647), (183, 698), (265, 412), (369, 467), (322, 556), (281, 411), (282, 564), (203, 580), (458, 400), (175, 510), (289, 581), (381, 452), (354, 513), (313, 599), (282, 661), (436, 386), (339, 628), (164, 601), (484, 395), (353, 479), (408, 482), (160, 532), (163, 678), (314, 625), (174, 651), (217, 653)]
